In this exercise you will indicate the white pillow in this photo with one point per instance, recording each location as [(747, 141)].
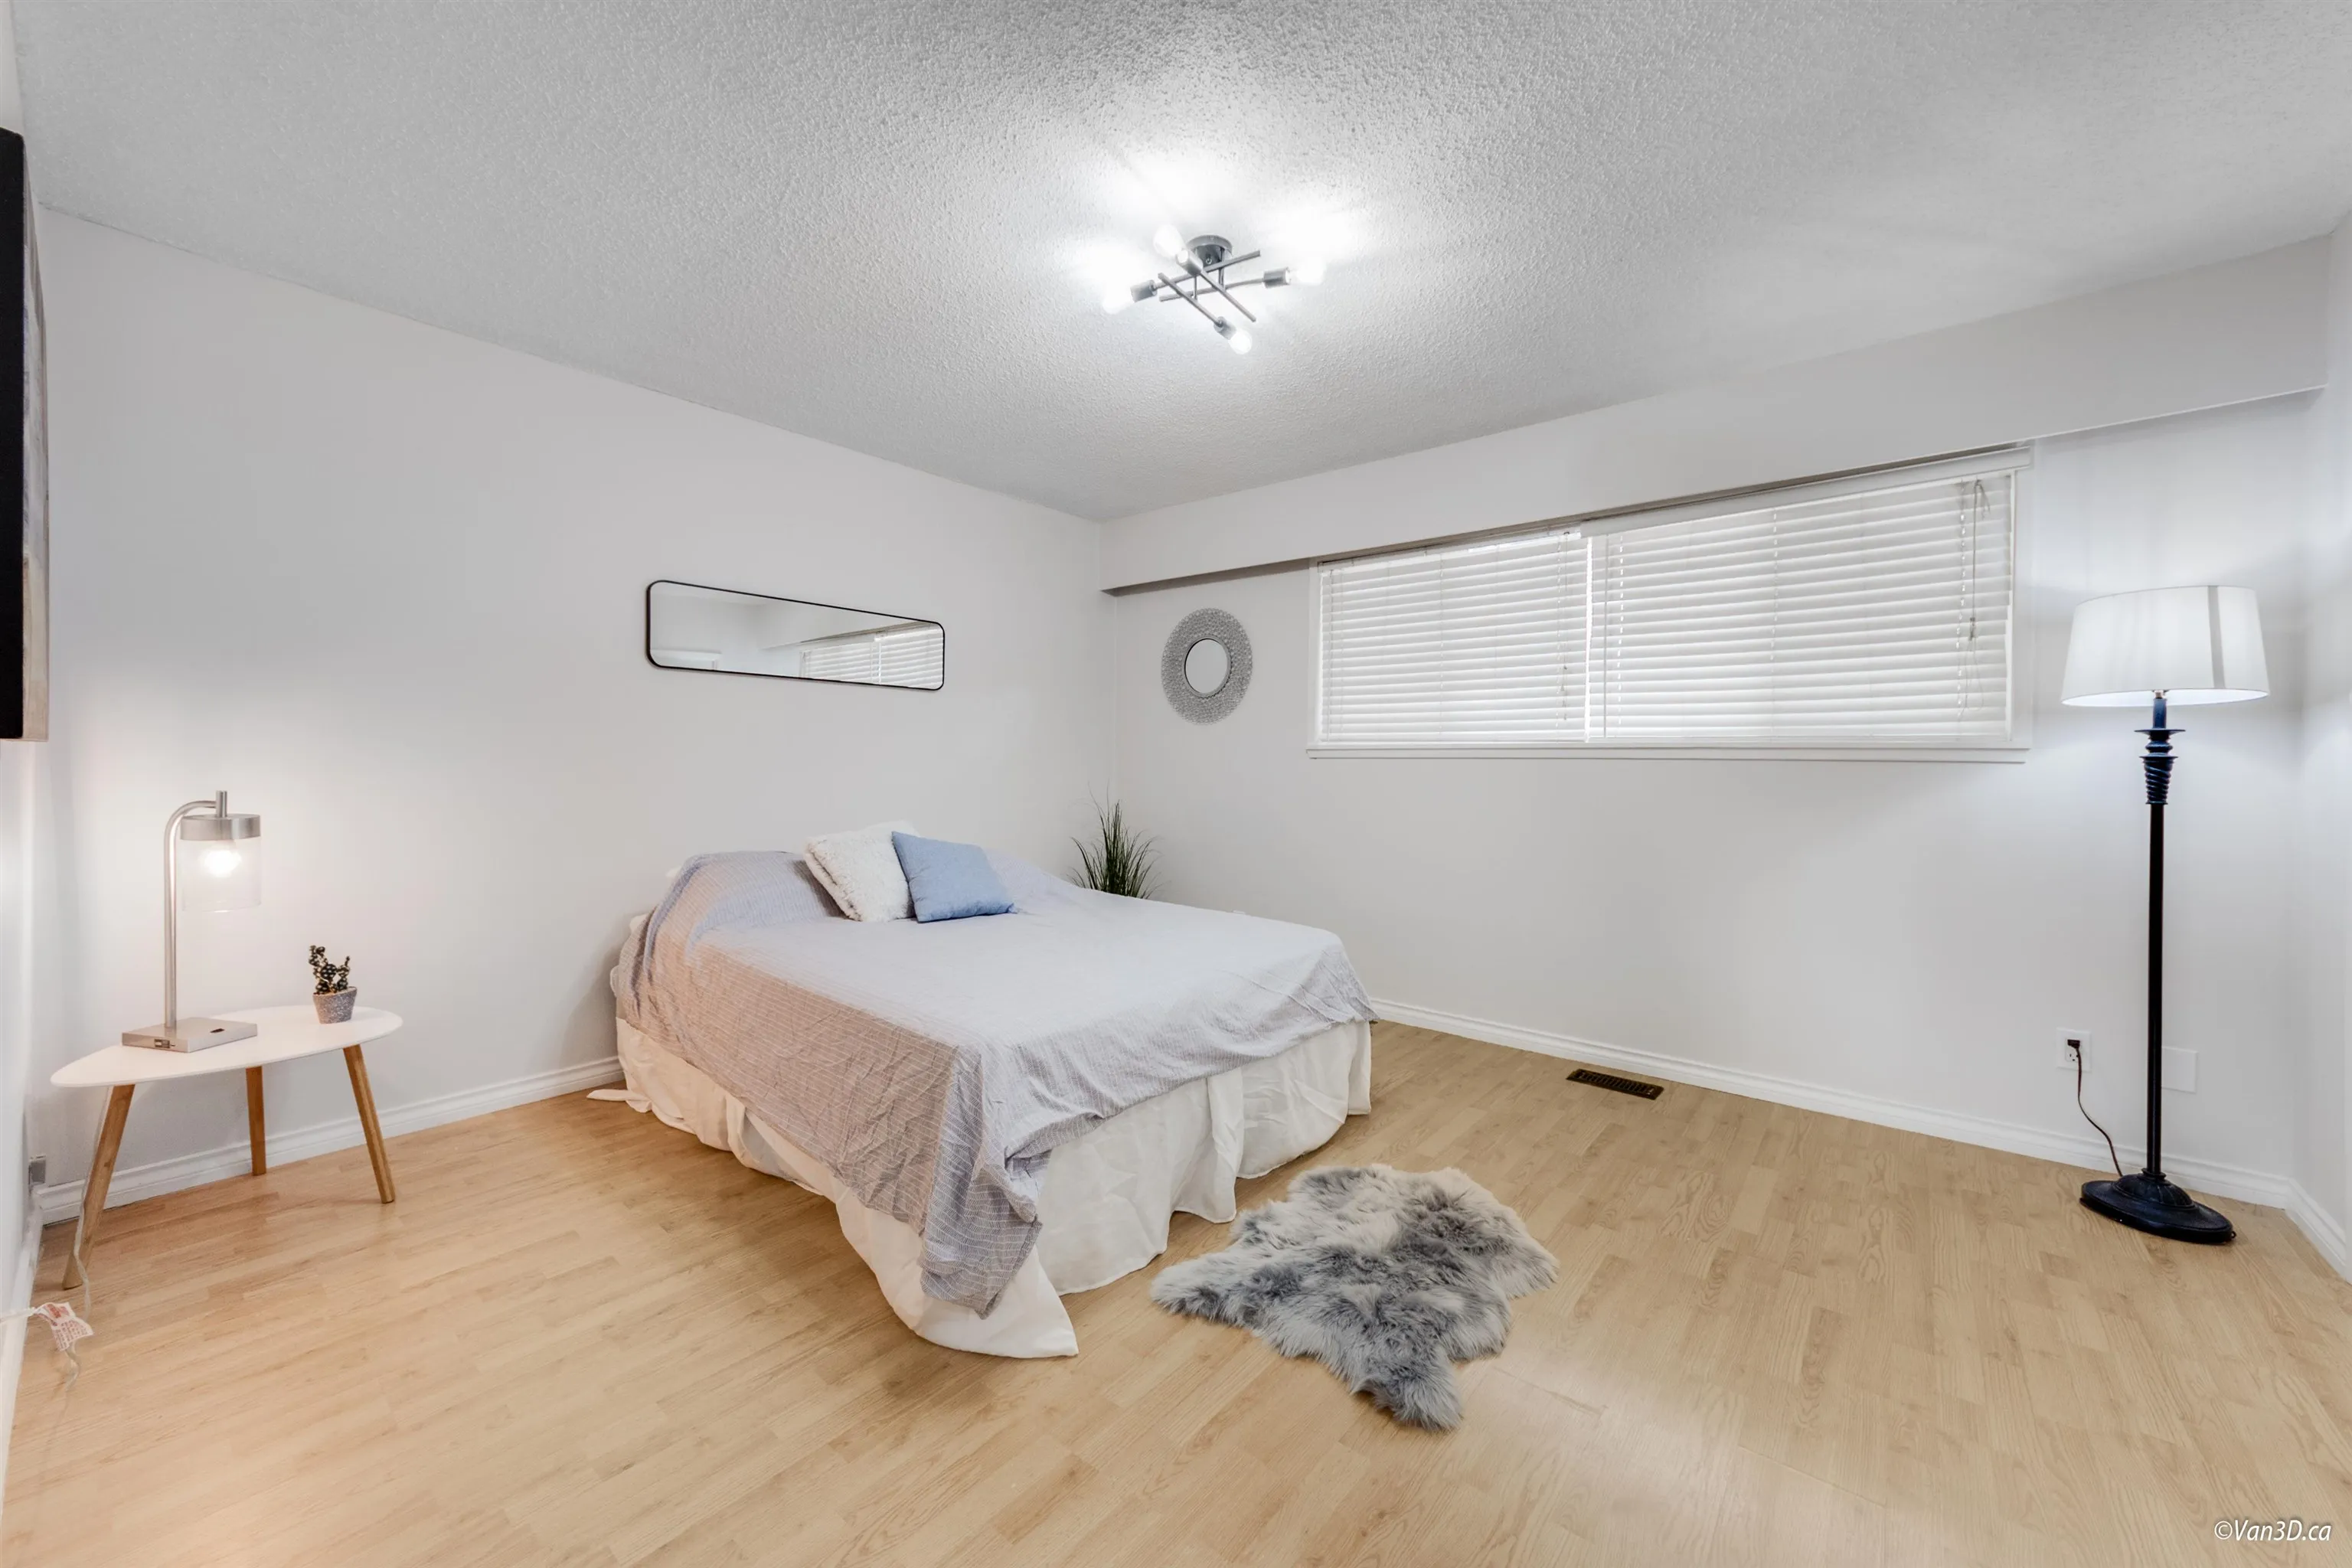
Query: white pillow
[(860, 869)]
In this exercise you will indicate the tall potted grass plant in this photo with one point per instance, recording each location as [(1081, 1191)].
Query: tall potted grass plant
[(1120, 860)]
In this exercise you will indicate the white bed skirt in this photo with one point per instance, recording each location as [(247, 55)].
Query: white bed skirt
[(1107, 1195)]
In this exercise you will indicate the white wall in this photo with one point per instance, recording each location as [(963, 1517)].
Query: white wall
[(2324, 907), (21, 879), (385, 585), (2214, 335), (1896, 934)]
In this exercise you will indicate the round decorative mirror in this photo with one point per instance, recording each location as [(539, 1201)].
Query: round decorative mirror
[(1205, 668)]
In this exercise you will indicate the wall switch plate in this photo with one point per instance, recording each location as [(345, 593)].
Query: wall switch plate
[(2180, 1069), (2068, 1039)]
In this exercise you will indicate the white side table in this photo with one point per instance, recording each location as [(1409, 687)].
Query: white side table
[(285, 1033)]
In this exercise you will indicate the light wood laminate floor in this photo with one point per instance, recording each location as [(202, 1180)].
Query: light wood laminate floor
[(1778, 1337)]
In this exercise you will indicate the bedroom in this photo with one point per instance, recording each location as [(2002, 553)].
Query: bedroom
[(396, 354)]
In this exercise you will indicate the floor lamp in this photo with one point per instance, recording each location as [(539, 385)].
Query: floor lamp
[(2184, 647)]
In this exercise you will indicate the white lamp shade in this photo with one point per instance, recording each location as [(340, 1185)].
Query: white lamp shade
[(2191, 644)]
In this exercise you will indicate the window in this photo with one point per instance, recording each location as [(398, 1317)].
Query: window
[(1871, 615), (913, 655)]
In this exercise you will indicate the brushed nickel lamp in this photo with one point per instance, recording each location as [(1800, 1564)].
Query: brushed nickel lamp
[(212, 860), (2185, 647)]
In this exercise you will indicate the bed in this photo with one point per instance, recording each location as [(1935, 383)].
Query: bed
[(1001, 1110)]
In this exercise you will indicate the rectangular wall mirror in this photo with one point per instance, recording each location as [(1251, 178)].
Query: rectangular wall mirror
[(688, 627)]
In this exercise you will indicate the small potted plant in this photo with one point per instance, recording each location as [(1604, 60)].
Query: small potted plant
[(333, 995)]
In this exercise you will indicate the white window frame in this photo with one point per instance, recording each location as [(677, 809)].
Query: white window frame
[(2016, 461)]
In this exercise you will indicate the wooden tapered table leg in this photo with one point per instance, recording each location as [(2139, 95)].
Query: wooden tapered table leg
[(253, 1121), (366, 1098), (101, 1176)]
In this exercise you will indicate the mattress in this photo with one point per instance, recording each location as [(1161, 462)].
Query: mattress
[(1107, 1195)]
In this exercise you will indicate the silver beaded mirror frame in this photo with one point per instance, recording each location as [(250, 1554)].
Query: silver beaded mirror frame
[(1180, 668)]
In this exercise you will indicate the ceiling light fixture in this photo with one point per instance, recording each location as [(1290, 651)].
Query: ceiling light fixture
[(1203, 267)]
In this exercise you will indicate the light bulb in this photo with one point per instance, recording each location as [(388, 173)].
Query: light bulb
[(1167, 241), (221, 862), (1238, 340), (1114, 300), (1308, 272)]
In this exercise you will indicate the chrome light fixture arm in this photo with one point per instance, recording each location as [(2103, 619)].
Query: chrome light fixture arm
[(1168, 291), (1193, 299), (1212, 283)]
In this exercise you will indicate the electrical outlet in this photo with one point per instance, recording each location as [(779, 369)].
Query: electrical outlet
[(36, 1171), (2070, 1042), (2180, 1069)]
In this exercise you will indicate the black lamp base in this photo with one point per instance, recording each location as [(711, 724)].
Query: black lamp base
[(2145, 1201)]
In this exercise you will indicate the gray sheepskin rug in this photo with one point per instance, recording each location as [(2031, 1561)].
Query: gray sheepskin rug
[(1386, 1277)]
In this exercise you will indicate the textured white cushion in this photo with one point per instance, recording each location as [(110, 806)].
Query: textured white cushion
[(860, 869)]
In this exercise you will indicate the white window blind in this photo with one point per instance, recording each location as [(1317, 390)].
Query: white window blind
[(1466, 644), (1863, 615), (905, 656)]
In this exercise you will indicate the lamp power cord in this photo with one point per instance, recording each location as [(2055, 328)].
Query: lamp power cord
[(2094, 1120)]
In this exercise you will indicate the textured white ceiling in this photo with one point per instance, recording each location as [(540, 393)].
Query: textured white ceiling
[(889, 226)]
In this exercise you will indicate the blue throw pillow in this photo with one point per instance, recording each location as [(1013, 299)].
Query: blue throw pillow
[(950, 882)]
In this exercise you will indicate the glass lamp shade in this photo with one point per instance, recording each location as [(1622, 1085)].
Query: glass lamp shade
[(2191, 646), (220, 863)]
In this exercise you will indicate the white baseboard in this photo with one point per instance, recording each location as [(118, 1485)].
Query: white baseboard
[(62, 1200), (2205, 1175), (2322, 1229)]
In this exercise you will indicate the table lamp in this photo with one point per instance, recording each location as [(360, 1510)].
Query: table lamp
[(2183, 647), (212, 860)]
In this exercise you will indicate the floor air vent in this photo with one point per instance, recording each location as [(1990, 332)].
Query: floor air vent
[(1621, 1085)]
